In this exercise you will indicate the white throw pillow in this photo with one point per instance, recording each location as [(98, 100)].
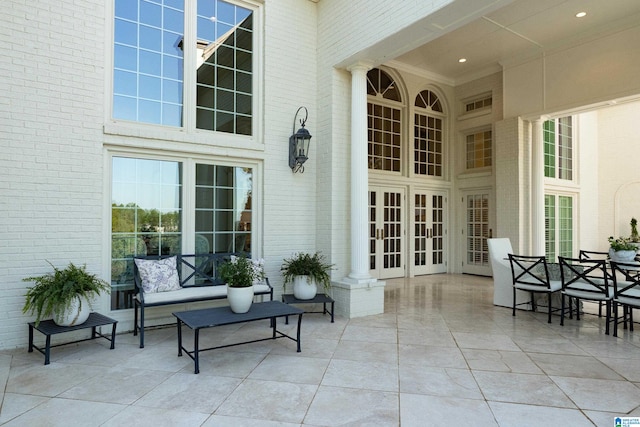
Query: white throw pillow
[(158, 275)]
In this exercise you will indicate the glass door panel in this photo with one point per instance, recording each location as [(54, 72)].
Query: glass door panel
[(476, 232), (429, 232), (386, 232)]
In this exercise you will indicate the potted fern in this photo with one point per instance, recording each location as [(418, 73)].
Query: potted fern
[(306, 271), (64, 294)]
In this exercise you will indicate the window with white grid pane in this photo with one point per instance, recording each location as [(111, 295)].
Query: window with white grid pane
[(559, 228), (383, 122), (151, 78), (479, 150), (384, 137), (428, 135), (558, 148)]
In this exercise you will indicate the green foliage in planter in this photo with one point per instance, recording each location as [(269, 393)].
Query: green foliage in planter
[(622, 244), (242, 271), (304, 264), (54, 292)]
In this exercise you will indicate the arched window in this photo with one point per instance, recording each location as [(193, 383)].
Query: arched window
[(428, 137), (383, 122), (429, 100)]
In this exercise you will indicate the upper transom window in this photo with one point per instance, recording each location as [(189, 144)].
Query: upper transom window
[(381, 84), (151, 79), (478, 104), (429, 100)]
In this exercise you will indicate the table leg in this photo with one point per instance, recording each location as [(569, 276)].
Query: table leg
[(93, 332), (30, 339), (332, 310), (47, 350), (179, 338), (113, 335), (196, 343), (273, 327), (298, 334)]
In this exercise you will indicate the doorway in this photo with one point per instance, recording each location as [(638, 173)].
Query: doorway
[(430, 210), (477, 228), (386, 232)]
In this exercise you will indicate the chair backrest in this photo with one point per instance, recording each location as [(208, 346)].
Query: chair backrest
[(499, 250), (499, 247), (593, 254), (193, 269), (587, 276), (626, 282), (530, 270), (597, 255)]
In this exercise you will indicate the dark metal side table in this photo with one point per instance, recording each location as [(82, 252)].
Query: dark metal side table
[(318, 299), (48, 328)]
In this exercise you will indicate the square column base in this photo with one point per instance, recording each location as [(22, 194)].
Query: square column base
[(358, 297)]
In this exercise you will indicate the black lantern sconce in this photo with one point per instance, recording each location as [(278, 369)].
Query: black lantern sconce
[(299, 144)]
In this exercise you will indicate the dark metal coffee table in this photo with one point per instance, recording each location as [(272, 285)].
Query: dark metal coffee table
[(210, 317)]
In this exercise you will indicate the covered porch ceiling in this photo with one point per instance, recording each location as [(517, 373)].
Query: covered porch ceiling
[(498, 33)]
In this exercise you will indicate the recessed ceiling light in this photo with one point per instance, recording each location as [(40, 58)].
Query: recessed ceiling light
[(461, 60), (581, 14)]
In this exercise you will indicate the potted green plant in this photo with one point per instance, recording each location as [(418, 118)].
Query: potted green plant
[(240, 273), (306, 271), (64, 294), (621, 249)]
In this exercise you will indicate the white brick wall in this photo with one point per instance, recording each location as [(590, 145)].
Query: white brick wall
[(290, 70), (51, 77)]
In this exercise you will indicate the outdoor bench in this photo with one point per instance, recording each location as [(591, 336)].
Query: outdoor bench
[(197, 280)]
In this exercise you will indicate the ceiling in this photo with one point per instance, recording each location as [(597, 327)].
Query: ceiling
[(517, 31)]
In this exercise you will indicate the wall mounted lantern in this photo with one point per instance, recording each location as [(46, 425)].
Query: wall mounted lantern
[(299, 144)]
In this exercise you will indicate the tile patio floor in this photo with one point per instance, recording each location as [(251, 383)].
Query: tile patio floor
[(441, 354)]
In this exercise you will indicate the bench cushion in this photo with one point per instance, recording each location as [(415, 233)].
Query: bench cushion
[(196, 293), (186, 294)]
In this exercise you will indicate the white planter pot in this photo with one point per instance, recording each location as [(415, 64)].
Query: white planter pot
[(240, 299), (304, 287), (622, 256), (77, 313)]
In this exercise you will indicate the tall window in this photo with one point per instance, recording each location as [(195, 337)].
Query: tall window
[(559, 230), (479, 147), (383, 122), (149, 72), (428, 138), (225, 46), (558, 148), (148, 217)]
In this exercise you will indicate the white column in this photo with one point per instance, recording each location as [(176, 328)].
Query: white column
[(359, 294), (359, 174), (537, 188)]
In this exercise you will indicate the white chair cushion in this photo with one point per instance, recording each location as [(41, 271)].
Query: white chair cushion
[(554, 285), (581, 290)]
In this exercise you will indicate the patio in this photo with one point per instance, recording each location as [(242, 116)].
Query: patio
[(441, 354)]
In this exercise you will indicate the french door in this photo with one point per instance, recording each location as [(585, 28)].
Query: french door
[(386, 232), (429, 236), (477, 208)]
